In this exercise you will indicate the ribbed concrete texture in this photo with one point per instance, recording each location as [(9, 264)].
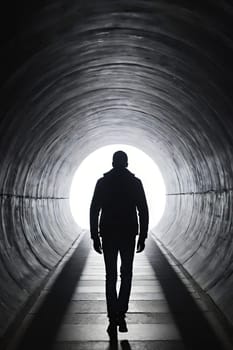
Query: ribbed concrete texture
[(77, 75)]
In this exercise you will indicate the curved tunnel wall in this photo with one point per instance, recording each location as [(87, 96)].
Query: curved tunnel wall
[(156, 75)]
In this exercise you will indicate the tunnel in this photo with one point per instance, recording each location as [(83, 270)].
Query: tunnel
[(79, 75)]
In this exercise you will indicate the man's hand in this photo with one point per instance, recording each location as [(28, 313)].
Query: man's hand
[(97, 245), (140, 245)]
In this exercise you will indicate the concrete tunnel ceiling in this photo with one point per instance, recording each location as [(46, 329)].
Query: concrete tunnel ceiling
[(80, 75)]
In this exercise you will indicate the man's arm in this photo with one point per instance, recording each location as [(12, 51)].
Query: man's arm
[(143, 214), (94, 218)]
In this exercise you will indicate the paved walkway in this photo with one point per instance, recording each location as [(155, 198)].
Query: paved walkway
[(165, 311)]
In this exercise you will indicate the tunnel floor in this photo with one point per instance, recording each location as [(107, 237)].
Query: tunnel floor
[(166, 311)]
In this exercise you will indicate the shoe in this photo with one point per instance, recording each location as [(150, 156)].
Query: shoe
[(112, 330), (122, 325)]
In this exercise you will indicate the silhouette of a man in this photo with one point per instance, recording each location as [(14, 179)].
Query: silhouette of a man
[(117, 204)]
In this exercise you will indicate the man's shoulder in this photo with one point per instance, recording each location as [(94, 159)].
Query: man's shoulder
[(133, 177), (104, 178), (138, 183), (100, 180)]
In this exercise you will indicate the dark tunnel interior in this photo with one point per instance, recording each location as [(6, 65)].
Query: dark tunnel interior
[(78, 75)]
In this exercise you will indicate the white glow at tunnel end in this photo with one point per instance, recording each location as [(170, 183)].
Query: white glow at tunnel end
[(99, 162)]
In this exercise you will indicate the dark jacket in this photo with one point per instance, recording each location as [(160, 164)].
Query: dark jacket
[(118, 201)]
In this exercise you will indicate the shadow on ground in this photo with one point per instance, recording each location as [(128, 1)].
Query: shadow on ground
[(41, 332), (194, 328)]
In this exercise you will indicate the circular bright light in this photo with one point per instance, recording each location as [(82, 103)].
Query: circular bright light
[(99, 162)]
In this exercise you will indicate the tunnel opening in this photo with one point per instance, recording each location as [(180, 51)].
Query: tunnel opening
[(99, 162)]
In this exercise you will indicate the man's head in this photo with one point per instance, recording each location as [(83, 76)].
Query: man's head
[(120, 160)]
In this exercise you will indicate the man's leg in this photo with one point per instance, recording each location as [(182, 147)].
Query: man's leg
[(110, 251), (127, 248)]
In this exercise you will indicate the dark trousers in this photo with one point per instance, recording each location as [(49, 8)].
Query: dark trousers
[(118, 304)]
